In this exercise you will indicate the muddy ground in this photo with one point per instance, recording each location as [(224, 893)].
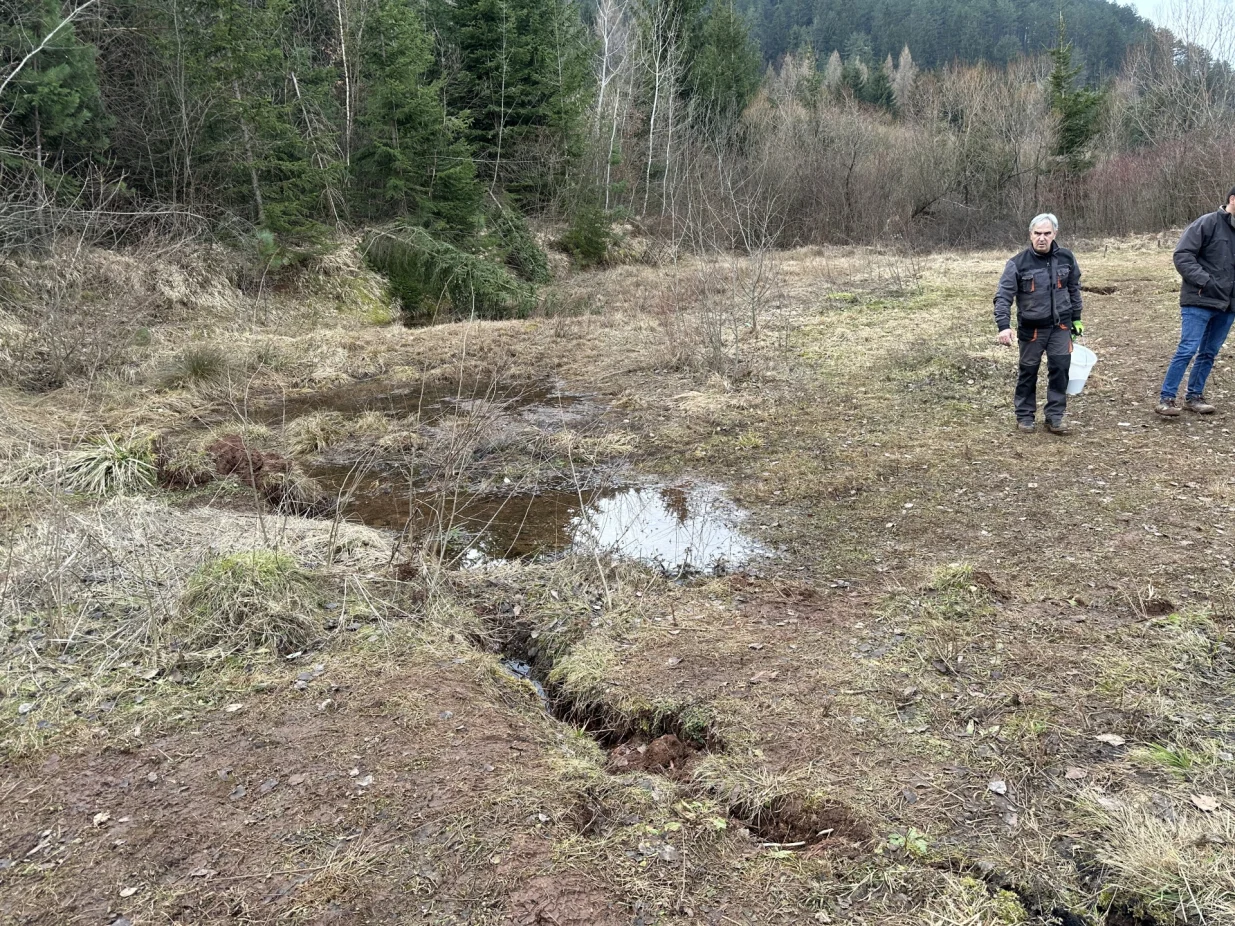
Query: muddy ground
[(951, 674)]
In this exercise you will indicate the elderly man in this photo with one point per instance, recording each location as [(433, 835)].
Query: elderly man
[(1045, 282), (1205, 259)]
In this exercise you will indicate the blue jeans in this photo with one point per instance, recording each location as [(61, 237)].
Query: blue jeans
[(1203, 333)]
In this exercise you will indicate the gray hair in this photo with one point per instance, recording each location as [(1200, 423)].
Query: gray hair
[(1044, 217)]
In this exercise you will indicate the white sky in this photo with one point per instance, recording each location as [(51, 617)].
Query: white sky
[(1207, 22)]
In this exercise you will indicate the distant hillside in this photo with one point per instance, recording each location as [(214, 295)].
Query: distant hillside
[(940, 31)]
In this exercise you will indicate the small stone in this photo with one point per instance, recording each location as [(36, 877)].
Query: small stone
[(25, 707), (667, 853)]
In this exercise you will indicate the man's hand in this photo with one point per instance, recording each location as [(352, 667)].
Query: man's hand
[(1006, 336), (1078, 329)]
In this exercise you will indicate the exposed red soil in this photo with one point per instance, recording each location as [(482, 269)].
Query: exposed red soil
[(282, 810), (666, 754), (232, 455)]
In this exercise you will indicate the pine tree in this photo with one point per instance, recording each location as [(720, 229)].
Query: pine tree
[(726, 69), (51, 108), (411, 161), (1078, 110)]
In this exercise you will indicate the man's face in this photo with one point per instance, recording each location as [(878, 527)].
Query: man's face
[(1041, 236)]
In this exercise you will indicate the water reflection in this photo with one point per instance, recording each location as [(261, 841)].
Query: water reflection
[(679, 528)]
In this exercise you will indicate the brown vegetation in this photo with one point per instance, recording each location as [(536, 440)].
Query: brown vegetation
[(938, 703)]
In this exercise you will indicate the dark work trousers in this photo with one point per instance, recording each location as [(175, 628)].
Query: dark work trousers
[(1056, 343)]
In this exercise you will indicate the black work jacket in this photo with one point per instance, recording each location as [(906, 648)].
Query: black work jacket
[(1046, 289), (1205, 258)]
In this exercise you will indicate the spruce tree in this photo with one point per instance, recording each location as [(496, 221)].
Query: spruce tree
[(1079, 110), (254, 139), (411, 161), (51, 109), (524, 78), (727, 68), (877, 89)]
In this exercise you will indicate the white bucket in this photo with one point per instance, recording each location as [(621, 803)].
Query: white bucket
[(1083, 360)]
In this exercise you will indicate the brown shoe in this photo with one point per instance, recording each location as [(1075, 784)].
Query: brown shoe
[(1199, 405), (1056, 427), (1025, 426), (1167, 408)]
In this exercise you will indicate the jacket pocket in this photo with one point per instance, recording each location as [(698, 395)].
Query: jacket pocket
[(1026, 283)]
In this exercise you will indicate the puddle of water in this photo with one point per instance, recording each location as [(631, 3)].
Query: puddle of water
[(680, 529), (409, 400), (677, 528)]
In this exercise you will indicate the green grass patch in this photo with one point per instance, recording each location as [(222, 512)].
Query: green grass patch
[(258, 599)]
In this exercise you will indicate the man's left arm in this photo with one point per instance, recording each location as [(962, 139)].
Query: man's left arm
[(1074, 294)]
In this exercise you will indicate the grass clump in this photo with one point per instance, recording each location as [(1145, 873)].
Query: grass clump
[(109, 465), (314, 433), (194, 364), (957, 593), (1177, 870), (256, 599), (1179, 760)]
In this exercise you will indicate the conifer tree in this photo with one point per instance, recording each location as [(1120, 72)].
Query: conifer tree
[(1078, 109), (254, 138), (51, 107), (411, 161), (877, 89), (727, 68), (524, 77)]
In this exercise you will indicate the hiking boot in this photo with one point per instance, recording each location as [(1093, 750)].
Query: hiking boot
[(1167, 408), (1025, 426), (1199, 405), (1057, 426)]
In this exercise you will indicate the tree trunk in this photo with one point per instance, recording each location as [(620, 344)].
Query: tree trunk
[(248, 153)]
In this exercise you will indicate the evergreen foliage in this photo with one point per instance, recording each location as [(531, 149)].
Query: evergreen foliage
[(589, 236), (433, 277), (524, 79), (1078, 109), (412, 161), (940, 32), (52, 106), (516, 245), (726, 70)]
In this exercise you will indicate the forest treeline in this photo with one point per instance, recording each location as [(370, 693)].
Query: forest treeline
[(942, 32), (437, 127)]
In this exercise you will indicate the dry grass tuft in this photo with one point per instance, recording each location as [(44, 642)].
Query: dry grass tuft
[(316, 432), (1177, 870), (100, 467), (193, 365), (250, 600)]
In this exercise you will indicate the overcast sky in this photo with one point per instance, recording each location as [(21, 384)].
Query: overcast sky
[(1208, 22)]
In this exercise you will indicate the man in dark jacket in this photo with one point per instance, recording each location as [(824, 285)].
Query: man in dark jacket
[(1205, 259), (1045, 281)]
